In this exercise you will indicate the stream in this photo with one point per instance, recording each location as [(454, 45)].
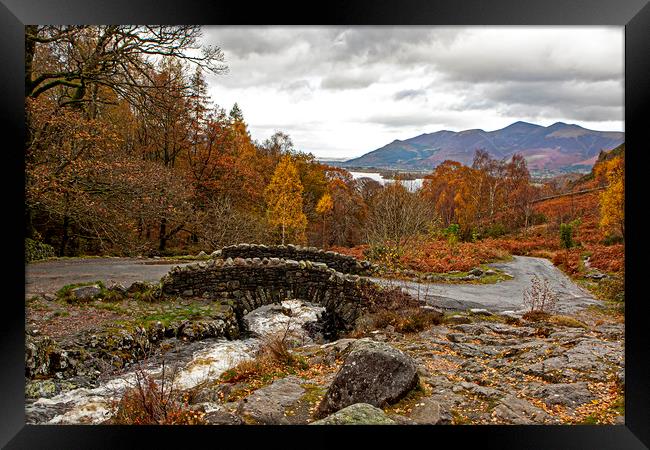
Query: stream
[(193, 364)]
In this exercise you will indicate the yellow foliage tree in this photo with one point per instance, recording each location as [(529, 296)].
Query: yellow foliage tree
[(612, 200), (284, 201), (324, 207)]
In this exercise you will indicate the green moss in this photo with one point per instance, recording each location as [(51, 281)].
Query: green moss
[(589, 420), (313, 393), (460, 419)]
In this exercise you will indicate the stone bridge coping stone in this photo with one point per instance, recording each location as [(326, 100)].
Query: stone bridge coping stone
[(292, 247), (264, 263)]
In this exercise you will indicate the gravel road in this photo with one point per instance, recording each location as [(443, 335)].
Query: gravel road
[(502, 296), (50, 276)]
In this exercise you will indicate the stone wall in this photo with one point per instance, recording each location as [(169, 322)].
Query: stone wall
[(336, 261), (248, 283)]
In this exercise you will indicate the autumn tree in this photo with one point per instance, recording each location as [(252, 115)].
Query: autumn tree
[(612, 200), (324, 208), (397, 217), (444, 190), (349, 211), (284, 201), (84, 73)]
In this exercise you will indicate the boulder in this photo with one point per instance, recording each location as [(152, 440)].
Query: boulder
[(357, 414), (86, 292), (374, 373), (476, 272), (117, 287)]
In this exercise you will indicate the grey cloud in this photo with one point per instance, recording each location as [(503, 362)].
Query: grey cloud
[(406, 119), (344, 81), (577, 94), (589, 101), (409, 93), (296, 85)]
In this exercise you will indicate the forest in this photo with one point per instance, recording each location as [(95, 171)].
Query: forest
[(127, 154)]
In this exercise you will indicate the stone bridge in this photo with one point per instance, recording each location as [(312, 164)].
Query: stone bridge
[(337, 261), (248, 283)]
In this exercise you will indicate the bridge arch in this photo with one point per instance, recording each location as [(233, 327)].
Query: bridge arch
[(248, 283)]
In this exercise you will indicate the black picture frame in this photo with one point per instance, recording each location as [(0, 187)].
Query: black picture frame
[(634, 15)]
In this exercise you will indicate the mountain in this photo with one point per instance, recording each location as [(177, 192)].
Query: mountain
[(558, 146)]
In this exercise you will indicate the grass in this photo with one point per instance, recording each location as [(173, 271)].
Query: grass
[(168, 315), (453, 278), (187, 258), (566, 321)]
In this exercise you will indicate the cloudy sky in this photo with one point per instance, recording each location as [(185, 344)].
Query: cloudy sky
[(341, 92)]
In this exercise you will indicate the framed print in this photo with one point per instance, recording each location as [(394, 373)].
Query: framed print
[(410, 217)]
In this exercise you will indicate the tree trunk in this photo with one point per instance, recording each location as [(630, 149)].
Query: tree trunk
[(64, 238), (163, 231), (282, 234)]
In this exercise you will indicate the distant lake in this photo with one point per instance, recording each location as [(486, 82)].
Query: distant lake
[(411, 185)]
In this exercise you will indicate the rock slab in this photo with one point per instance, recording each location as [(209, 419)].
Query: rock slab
[(357, 414)]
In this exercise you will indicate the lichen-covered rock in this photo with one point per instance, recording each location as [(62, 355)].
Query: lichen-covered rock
[(85, 292), (357, 414), (269, 404), (44, 357), (374, 373)]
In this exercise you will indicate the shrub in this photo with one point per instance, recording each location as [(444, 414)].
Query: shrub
[(386, 255), (612, 239), (539, 297), (274, 356), (35, 250), (495, 230), (452, 232), (396, 308), (612, 289), (566, 235), (150, 402)]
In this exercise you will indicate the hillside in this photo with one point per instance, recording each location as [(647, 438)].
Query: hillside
[(558, 146)]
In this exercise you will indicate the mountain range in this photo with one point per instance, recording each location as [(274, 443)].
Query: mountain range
[(558, 146)]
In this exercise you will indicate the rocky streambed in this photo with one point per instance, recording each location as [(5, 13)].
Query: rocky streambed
[(80, 400)]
